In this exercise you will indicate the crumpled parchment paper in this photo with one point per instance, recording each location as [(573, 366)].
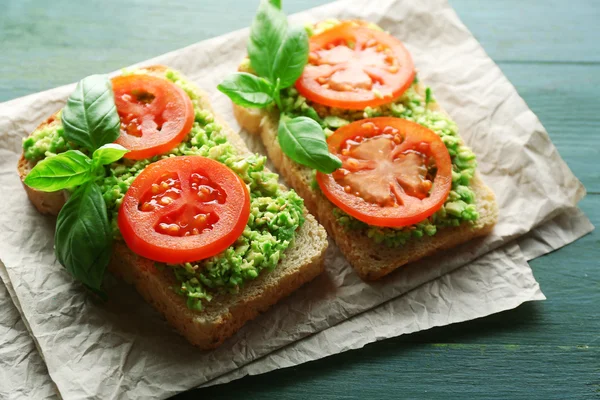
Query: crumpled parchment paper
[(498, 281), (122, 349), (23, 373)]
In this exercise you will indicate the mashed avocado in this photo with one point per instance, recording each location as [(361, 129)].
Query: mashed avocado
[(275, 215), (46, 141), (460, 206)]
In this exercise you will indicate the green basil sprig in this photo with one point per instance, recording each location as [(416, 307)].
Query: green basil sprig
[(83, 239), (279, 54)]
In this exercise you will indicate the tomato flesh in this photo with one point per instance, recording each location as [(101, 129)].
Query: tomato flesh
[(155, 114), (354, 67), (394, 172), (184, 209)]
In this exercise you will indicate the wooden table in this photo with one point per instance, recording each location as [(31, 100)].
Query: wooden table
[(548, 49)]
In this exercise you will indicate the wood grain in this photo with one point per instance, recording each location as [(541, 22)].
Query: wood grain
[(548, 49), (565, 98), (395, 370)]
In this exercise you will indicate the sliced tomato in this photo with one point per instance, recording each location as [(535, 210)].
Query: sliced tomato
[(155, 114), (394, 172), (184, 209), (355, 67)]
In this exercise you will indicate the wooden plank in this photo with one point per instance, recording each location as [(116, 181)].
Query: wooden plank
[(565, 98), (48, 44), (395, 370), (534, 31), (570, 279)]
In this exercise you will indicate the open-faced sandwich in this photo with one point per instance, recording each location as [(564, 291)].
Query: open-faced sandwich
[(148, 182), (344, 118)]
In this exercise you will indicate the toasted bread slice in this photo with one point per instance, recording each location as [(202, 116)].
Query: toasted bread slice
[(226, 313), (370, 260)]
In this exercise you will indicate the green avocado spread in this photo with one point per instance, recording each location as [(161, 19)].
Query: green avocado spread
[(275, 214), (460, 206)]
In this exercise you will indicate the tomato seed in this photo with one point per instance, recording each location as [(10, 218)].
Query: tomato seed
[(165, 200), (353, 163), (171, 229)]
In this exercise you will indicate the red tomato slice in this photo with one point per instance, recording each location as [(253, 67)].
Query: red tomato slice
[(184, 209), (375, 70), (394, 172), (155, 114)]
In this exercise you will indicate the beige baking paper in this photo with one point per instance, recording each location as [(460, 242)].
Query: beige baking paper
[(123, 349), (23, 373), (498, 281)]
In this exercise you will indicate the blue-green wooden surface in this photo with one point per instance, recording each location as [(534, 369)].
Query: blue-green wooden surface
[(548, 49)]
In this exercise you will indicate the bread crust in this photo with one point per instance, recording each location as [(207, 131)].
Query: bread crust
[(370, 260), (226, 313), (48, 203)]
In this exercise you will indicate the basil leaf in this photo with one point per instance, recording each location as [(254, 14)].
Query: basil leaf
[(247, 90), (291, 57), (65, 170), (109, 153), (83, 240), (90, 118), (267, 33), (303, 140), (276, 3)]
